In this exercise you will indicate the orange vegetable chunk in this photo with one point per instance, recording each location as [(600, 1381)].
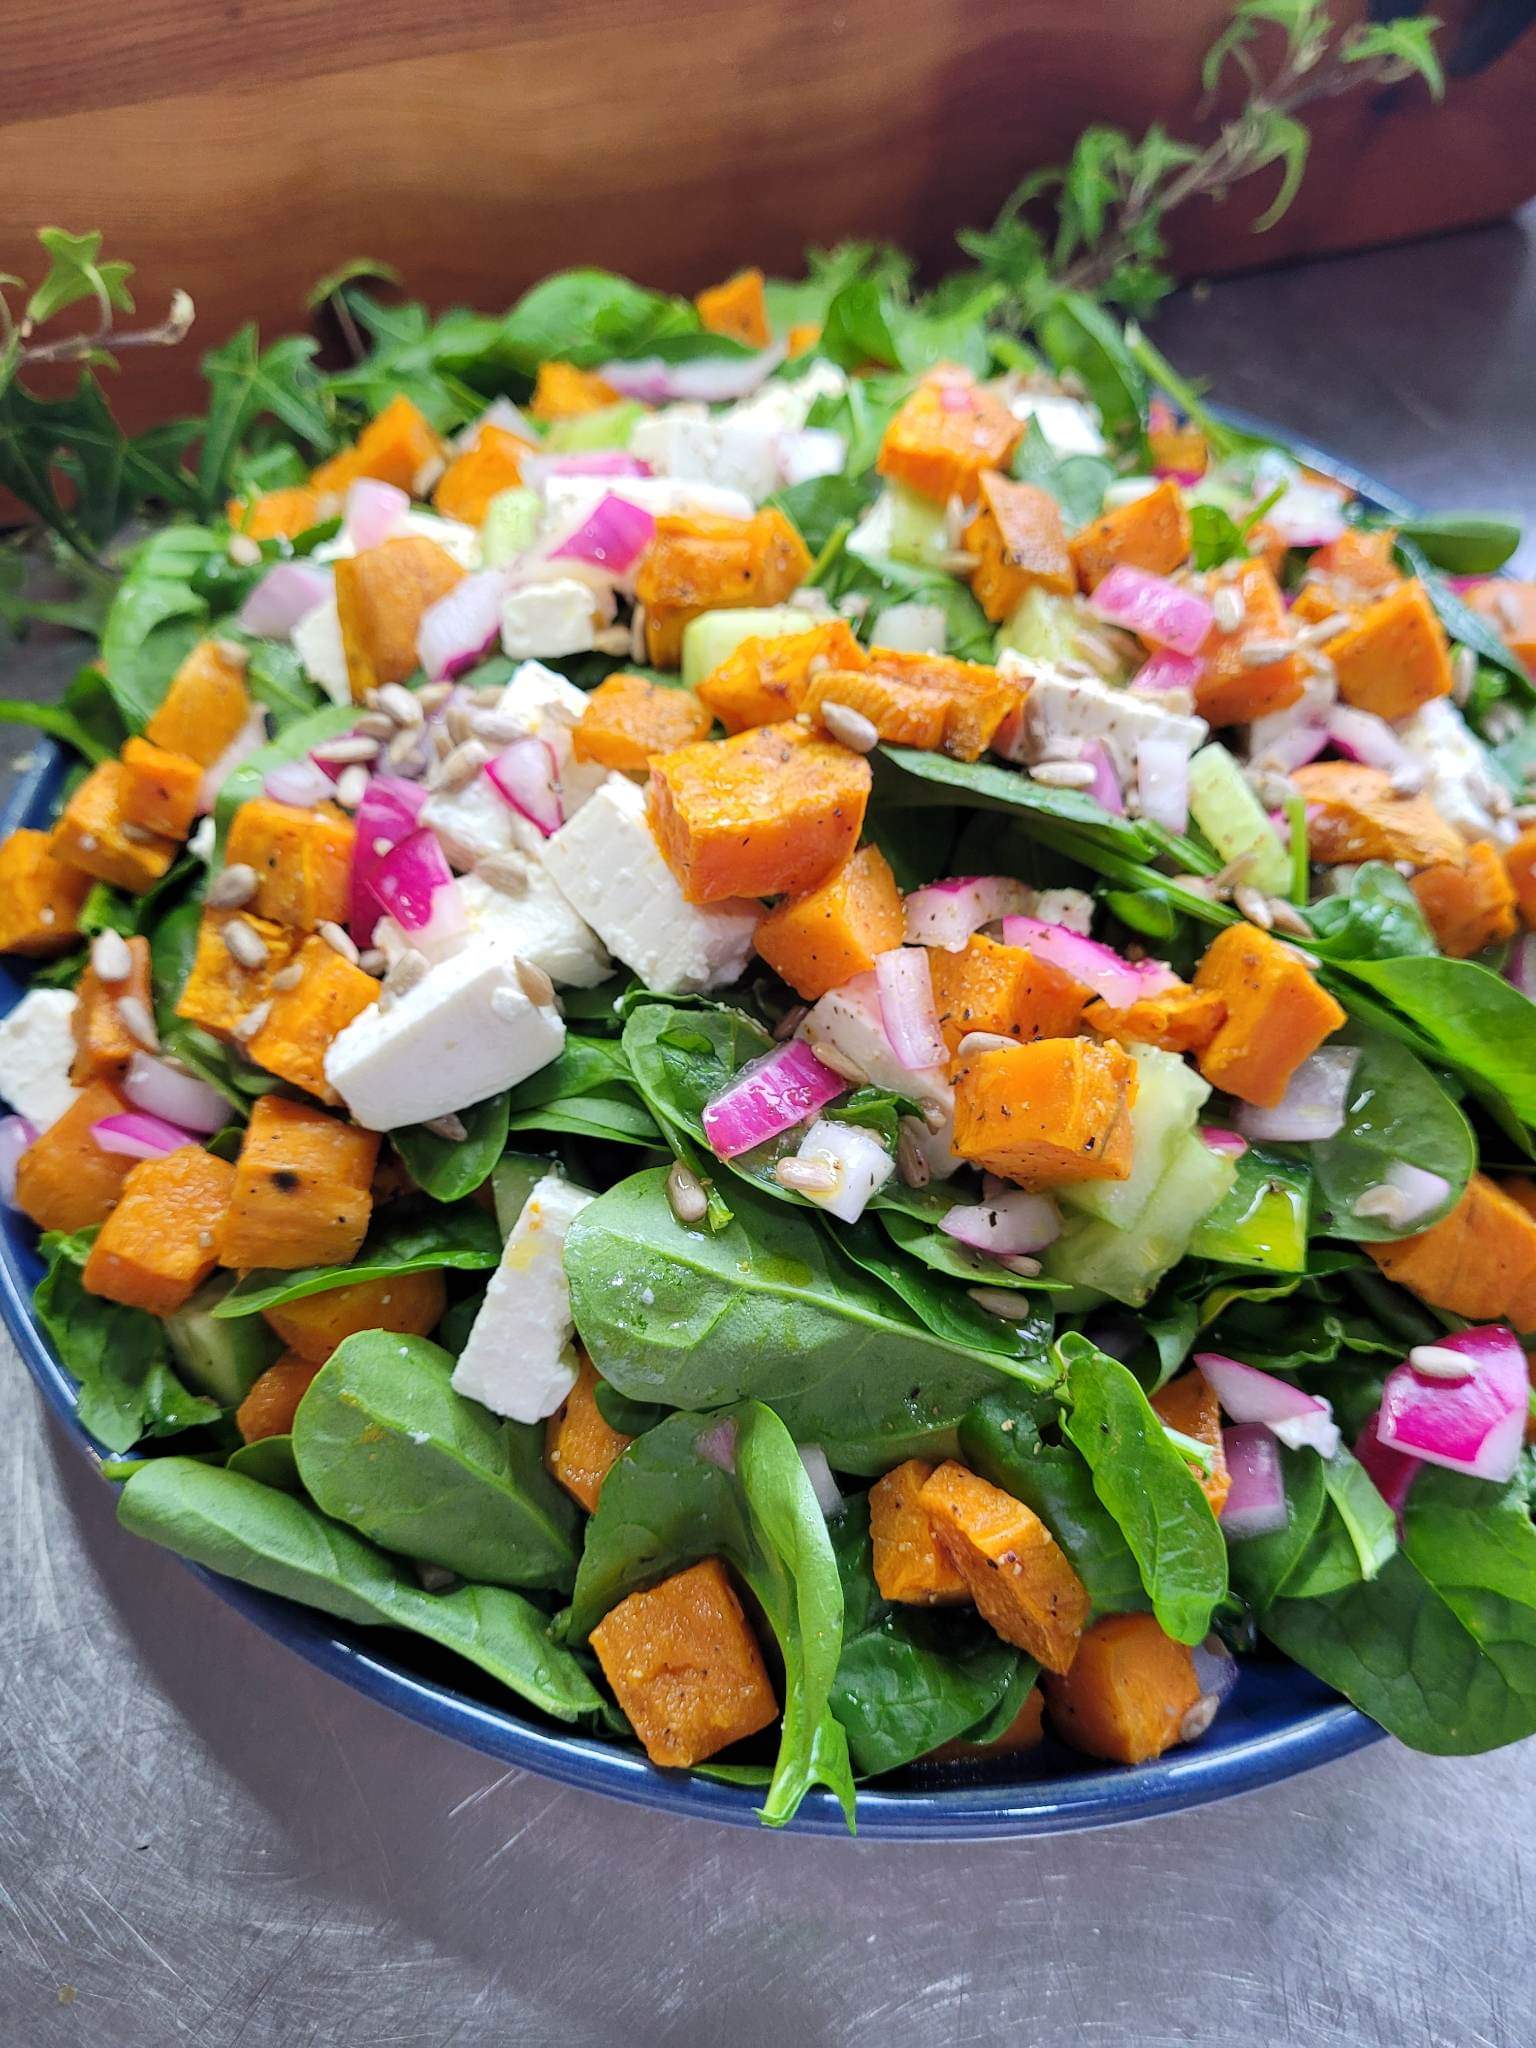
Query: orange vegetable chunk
[(1470, 904), (276, 515), (303, 1020), (1015, 1571), (273, 1401), (65, 1181), (580, 1450), (40, 896), (221, 990), (1019, 535), (1151, 533), (1188, 1405), (771, 812), (976, 698), (206, 705), (909, 1565), (737, 308), (1127, 1693), (471, 480), (157, 1247), (902, 713), (1229, 691), (1349, 572), (1478, 1262), (988, 986), (94, 834), (1176, 444), (946, 434), (160, 789), (628, 720), (1354, 815), (303, 860), (1278, 1014), (562, 392), (685, 1667), (1180, 1019), (302, 1194), (702, 562), (398, 447), (1025, 1731), (410, 1304), (103, 1043), (1395, 656), (381, 595), (763, 681), (1045, 1114), (1519, 859), (822, 938), (1509, 607)]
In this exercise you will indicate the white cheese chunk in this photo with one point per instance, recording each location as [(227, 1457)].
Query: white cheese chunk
[(37, 1046), (607, 864), (553, 618), (1066, 709), (476, 822), (568, 500), (317, 642), (451, 535), (1460, 779), (534, 922), (848, 1020), (518, 1360), (539, 701), (1071, 427), (465, 1031)]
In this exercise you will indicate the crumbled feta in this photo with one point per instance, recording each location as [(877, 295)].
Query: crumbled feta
[(607, 864), (554, 618), (1460, 779), (542, 703), (317, 642), (741, 447), (848, 1020), (1071, 427), (1062, 709), (568, 500), (476, 822), (874, 534), (1070, 907), (451, 535), (518, 1360), (534, 922), (37, 1047)]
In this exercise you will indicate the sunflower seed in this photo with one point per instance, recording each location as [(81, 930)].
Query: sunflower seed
[(1260, 653), (1323, 630), (1285, 917), (1062, 774), (1013, 1308), (449, 1126), (405, 747), (839, 1063), (1229, 609), (338, 940), (352, 786), (137, 835), (685, 1194), (807, 1176), (487, 696), (244, 552), (406, 970), (136, 1019), (497, 728), (1254, 905), (245, 943), (1463, 674), (1407, 779), (1199, 1717), (910, 1161), (350, 747), (233, 652), (375, 961), (376, 725), (248, 1026), (400, 704), (1383, 1200), (507, 872), (850, 728), (461, 766), (111, 960), (534, 982), (935, 1116), (1440, 1362), (975, 1042), (612, 640), (791, 1021), (1020, 1263), (433, 696), (289, 977)]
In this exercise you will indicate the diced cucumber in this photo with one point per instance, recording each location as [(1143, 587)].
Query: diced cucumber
[(1168, 1098), (1128, 1264), (919, 529), (511, 520), (513, 1179), (1263, 1219), (609, 427), (223, 1357), (1041, 627), (714, 636), (1234, 821)]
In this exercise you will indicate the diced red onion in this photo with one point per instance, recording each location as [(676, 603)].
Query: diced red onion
[(462, 627), (946, 913), (282, 597), (1362, 736), (1255, 1504), (862, 1164), (1421, 1190), (415, 884), (907, 1007), (249, 740), (1520, 969), (538, 469), (1299, 1420), (137, 1136), (501, 412), (1313, 1105), (16, 1134), (175, 1097), (819, 1473), (373, 513), (1293, 748), (1167, 614), (912, 629), (1109, 974), (1475, 1425), (709, 380), (1009, 1225), (767, 1096), (527, 776), (1231, 1144), (1105, 786), (300, 783), (1392, 1473), (1167, 671), (1162, 780), (809, 452), (718, 1445), (386, 815), (1215, 1668), (613, 536)]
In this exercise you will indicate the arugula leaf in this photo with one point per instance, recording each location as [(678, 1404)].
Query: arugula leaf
[(405, 1239)]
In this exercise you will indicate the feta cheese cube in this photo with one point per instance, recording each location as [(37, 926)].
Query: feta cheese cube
[(1460, 779), (534, 922), (518, 1360), (568, 500), (317, 642), (466, 1030), (1071, 427), (543, 703), (607, 864), (476, 822), (451, 535), (554, 618), (848, 1020), (1066, 709), (37, 1047)]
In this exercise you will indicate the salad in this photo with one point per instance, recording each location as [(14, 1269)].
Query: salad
[(817, 1038)]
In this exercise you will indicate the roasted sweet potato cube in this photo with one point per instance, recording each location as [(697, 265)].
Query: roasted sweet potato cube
[(802, 337), (629, 720), (103, 1043), (276, 515), (1178, 1019), (580, 1449), (562, 392), (65, 1181), (737, 308), (1055, 1111), (1231, 692), (902, 713), (1519, 859), (1509, 607), (1151, 533), (909, 1565), (494, 463), (206, 705), (977, 698), (302, 1194), (991, 987), (946, 434), (220, 990), (1176, 444), (1188, 1405), (303, 860), (157, 1247), (40, 896), (398, 447), (410, 1304), (381, 595), (1471, 904), (1012, 1566), (825, 936), (160, 789), (702, 563), (764, 681), (93, 834), (1019, 535), (273, 1401), (1278, 1014), (1352, 570), (1478, 1262), (1127, 1692), (1395, 656), (685, 1667), (1354, 815), (769, 813), (1025, 1731), (303, 1020)]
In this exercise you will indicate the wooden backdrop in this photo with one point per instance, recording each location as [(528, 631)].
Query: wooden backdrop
[(241, 149)]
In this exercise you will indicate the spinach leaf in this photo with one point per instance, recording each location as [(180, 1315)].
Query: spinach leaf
[(885, 581), (275, 677), (909, 1680), (585, 317), (291, 744), (1461, 543), (861, 415), (818, 507), (1458, 617), (1379, 919), (868, 321), (1485, 1028), (1395, 1110), (405, 1239), (1263, 1219), (269, 1460), (58, 722), (1076, 482), (587, 1091), (913, 1227), (1216, 537), (941, 1305), (385, 1444), (155, 620), (1076, 334), (665, 1505), (448, 1169), (1149, 1489), (267, 1538), (1339, 1533), (765, 1309)]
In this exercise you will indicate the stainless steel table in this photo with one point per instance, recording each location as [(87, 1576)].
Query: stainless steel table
[(201, 1840)]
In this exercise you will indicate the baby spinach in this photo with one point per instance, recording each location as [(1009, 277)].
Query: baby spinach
[(1076, 482), (908, 1679), (766, 1308), (1395, 1110), (271, 1539), (58, 722), (1379, 919), (385, 1444), (1458, 618), (818, 507), (666, 1504), (587, 1091), (939, 1303), (1263, 1218), (1147, 1487), (884, 582), (448, 1169), (155, 620), (585, 317), (910, 1217), (404, 1239), (1077, 334), (1339, 1533), (275, 677), (270, 1460), (1484, 1028), (1461, 543)]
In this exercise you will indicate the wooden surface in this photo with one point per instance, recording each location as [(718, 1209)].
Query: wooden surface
[(241, 150)]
